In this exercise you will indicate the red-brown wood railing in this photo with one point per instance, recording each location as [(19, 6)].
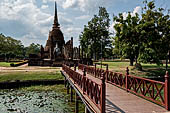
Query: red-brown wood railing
[(94, 91), (155, 91)]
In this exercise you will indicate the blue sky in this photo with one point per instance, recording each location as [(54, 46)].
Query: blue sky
[(31, 20)]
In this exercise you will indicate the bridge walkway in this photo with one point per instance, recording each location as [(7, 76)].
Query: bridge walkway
[(121, 101)]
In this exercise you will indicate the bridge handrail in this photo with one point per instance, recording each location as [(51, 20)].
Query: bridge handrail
[(94, 91), (155, 91)]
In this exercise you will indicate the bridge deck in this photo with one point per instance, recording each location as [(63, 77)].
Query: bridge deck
[(120, 101)]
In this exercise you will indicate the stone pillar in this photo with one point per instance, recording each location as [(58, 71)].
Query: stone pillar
[(72, 52), (79, 52)]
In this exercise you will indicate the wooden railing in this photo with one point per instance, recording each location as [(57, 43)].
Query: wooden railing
[(155, 91), (95, 92)]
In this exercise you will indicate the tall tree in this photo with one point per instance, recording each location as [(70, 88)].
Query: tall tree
[(127, 36), (144, 39), (154, 31), (96, 34)]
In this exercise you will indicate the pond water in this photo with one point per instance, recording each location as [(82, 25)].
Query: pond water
[(18, 101)]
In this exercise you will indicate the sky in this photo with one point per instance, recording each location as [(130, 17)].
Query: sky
[(31, 20)]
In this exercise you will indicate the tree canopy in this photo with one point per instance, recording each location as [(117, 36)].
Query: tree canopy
[(144, 38), (95, 37), (12, 48)]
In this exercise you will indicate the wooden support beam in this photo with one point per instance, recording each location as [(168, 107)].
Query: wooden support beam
[(76, 103), (68, 87), (86, 110), (71, 93)]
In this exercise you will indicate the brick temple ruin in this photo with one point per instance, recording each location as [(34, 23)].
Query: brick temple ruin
[(56, 50)]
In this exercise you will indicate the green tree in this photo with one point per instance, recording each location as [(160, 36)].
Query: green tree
[(32, 49), (145, 39), (154, 29), (96, 34), (10, 47), (127, 39)]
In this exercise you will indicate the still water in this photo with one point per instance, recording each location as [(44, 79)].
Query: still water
[(18, 101)]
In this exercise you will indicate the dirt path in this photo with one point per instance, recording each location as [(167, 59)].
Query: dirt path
[(28, 68)]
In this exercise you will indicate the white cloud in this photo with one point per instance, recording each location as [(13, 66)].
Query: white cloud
[(136, 10), (83, 17), (70, 3), (33, 23), (70, 32), (44, 6), (88, 6), (133, 13)]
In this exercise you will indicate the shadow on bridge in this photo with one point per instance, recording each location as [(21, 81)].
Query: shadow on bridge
[(112, 108)]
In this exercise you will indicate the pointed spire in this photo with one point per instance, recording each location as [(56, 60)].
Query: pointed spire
[(55, 16)]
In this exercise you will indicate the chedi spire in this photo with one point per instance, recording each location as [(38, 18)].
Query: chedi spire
[(56, 24)]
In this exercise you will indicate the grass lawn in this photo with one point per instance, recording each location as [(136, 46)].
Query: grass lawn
[(30, 75), (5, 64), (149, 70)]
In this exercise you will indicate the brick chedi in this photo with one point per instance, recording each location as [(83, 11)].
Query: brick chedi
[(56, 51), (54, 45)]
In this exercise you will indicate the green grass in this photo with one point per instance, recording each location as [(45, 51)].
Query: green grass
[(4, 64), (57, 87), (32, 75), (149, 70)]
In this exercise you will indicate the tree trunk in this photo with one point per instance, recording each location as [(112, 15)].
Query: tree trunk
[(131, 61), (169, 56)]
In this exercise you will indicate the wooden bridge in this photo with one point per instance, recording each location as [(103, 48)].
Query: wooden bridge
[(103, 91)]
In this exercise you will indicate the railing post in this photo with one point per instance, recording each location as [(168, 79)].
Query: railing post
[(75, 67), (127, 84), (167, 91), (95, 70), (84, 77), (103, 94), (107, 72), (84, 71)]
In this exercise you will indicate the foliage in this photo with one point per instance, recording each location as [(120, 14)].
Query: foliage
[(32, 49), (96, 35), (144, 39), (12, 48), (127, 38), (154, 29)]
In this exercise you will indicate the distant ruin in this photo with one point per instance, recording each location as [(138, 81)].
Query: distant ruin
[(56, 51)]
